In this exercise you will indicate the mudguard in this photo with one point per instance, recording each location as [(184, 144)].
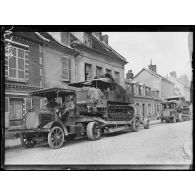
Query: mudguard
[(56, 123)]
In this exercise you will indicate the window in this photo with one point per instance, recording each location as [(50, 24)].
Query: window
[(16, 63), (88, 72), (98, 70), (109, 71), (65, 68), (117, 77)]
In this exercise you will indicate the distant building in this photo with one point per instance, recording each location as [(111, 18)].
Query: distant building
[(146, 100), (152, 79), (181, 85)]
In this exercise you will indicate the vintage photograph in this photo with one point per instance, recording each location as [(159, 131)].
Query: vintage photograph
[(98, 98)]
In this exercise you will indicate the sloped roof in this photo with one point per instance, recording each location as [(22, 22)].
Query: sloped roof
[(100, 46), (153, 73)]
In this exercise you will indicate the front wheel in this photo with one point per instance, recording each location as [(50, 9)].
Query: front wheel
[(93, 131), (56, 137), (135, 125)]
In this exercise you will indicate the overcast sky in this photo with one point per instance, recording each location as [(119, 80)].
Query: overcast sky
[(168, 50)]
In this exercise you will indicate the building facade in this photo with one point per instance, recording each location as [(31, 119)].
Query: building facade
[(96, 57), (146, 100), (181, 84), (23, 67), (155, 81)]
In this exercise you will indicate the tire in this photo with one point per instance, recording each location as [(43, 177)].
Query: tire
[(180, 119), (27, 140), (174, 119), (56, 137), (135, 125), (146, 124), (93, 131)]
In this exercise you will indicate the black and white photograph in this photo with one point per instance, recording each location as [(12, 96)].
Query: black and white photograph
[(115, 99)]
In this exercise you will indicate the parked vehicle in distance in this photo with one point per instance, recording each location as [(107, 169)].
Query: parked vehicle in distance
[(171, 111)]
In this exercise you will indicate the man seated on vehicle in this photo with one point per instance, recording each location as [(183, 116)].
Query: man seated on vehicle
[(51, 104), (67, 107)]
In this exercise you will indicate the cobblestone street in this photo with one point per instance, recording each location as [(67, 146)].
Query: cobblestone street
[(161, 144)]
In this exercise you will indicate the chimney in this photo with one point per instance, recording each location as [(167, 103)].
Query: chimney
[(129, 74), (173, 74), (105, 39), (99, 35), (152, 67), (65, 38)]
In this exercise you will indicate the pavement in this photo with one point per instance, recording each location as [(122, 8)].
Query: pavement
[(162, 144), (15, 142)]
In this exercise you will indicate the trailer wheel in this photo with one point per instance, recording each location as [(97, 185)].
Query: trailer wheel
[(93, 131), (56, 137), (135, 125), (27, 140), (146, 124)]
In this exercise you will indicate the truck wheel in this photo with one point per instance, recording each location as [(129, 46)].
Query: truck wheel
[(93, 131), (174, 119), (135, 125), (56, 137), (27, 140), (180, 119), (146, 124)]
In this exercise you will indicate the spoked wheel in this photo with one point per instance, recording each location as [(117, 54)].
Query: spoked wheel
[(56, 137), (27, 140), (93, 131), (135, 125)]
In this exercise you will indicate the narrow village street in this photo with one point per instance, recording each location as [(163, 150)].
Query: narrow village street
[(161, 144)]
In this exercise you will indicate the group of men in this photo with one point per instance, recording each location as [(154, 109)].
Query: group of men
[(63, 108)]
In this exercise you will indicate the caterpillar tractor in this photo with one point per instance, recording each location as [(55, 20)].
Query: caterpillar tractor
[(87, 109)]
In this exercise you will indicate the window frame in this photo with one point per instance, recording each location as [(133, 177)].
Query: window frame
[(62, 78), (17, 66)]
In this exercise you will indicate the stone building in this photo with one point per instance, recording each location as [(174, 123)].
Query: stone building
[(58, 58), (96, 57), (23, 68), (181, 85), (146, 100), (152, 79)]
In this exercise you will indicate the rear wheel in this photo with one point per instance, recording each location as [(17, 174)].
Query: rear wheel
[(56, 137), (27, 140), (146, 124), (93, 131), (135, 125)]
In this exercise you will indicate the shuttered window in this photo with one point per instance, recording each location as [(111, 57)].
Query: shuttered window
[(65, 68)]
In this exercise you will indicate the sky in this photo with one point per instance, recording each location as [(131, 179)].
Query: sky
[(168, 50)]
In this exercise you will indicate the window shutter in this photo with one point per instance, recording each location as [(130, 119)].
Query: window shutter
[(28, 104), (65, 68)]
